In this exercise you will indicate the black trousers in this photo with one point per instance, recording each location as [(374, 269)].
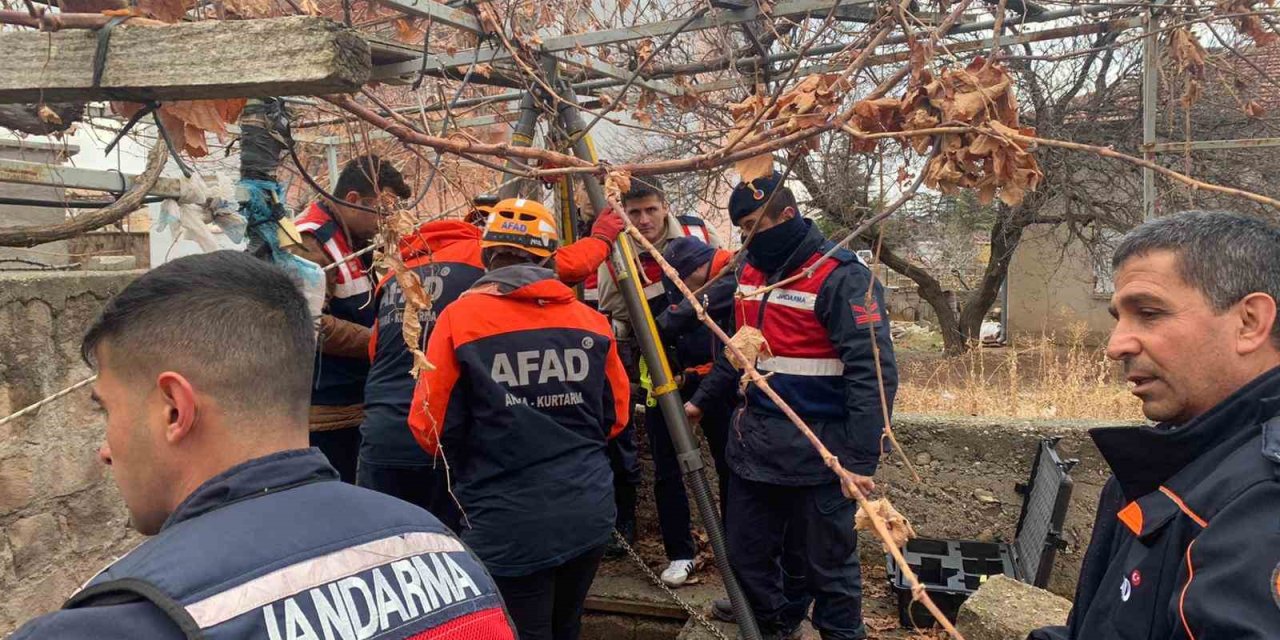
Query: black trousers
[(624, 458), (423, 485), (342, 448), (777, 532), (669, 492), (547, 605)]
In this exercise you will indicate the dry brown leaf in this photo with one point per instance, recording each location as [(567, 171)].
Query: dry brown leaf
[(900, 530), (407, 30), (644, 53), (642, 117), (48, 116), (484, 69), (165, 10), (1249, 25), (750, 342), (1254, 110), (488, 17), (187, 121), (1185, 51), (616, 183), (754, 167)]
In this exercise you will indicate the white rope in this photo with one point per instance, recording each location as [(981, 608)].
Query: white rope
[(28, 409)]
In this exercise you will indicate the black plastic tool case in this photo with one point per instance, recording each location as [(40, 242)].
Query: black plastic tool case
[(951, 570)]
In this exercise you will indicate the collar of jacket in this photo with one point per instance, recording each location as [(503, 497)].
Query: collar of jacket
[(1145, 458), (524, 281), (257, 477), (434, 236), (812, 241)]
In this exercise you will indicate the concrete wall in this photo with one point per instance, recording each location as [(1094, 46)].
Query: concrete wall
[(113, 243), (61, 519), (1052, 286), (14, 215)]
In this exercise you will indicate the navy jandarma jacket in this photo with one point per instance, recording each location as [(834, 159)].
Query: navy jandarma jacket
[(256, 552), (526, 391), (822, 333)]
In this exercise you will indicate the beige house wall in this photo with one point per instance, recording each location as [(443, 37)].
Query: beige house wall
[(1053, 286)]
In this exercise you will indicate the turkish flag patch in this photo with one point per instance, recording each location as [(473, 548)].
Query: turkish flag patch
[(866, 315)]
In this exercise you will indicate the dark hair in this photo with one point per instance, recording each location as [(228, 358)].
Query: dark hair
[(778, 201), (643, 188), (363, 173), (237, 327), (501, 256), (1225, 256)]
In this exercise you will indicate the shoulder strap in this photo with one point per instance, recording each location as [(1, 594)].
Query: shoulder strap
[(127, 590)]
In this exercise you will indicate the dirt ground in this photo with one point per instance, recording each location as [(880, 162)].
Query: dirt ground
[(879, 601)]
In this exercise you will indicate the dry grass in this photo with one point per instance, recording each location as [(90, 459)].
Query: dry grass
[(1042, 378)]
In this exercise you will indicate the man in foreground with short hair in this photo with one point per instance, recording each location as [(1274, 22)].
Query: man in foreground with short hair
[(204, 374), (1186, 543)]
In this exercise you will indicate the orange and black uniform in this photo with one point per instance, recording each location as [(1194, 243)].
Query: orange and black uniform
[(446, 257), (1186, 544), (527, 390)]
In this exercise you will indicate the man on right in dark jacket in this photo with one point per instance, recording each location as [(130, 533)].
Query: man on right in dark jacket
[(824, 331), (1186, 544)]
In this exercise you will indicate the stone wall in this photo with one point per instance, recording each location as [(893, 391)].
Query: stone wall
[(61, 518), (113, 243)]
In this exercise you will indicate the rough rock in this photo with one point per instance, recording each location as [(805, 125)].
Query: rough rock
[(1005, 609)]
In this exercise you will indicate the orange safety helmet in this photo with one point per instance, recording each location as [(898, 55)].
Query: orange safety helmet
[(523, 224)]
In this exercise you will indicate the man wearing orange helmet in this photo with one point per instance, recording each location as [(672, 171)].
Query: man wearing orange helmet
[(526, 391), (446, 255)]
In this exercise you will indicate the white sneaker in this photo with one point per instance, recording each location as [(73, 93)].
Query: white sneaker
[(677, 573)]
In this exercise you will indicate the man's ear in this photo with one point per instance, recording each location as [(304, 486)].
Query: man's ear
[(1257, 319), (787, 214), (179, 399), (352, 197)]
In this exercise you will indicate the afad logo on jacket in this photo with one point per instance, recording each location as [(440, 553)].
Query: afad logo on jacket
[(522, 369)]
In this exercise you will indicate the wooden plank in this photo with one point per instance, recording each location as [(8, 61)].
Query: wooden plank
[(298, 55), (603, 604)]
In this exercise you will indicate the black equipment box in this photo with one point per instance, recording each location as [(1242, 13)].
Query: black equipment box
[(951, 570)]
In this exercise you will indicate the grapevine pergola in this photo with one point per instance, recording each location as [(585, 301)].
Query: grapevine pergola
[(493, 96)]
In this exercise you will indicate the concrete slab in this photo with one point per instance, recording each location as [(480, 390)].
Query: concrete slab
[(620, 587)]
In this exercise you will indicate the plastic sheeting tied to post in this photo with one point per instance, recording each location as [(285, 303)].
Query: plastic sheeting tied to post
[(263, 210)]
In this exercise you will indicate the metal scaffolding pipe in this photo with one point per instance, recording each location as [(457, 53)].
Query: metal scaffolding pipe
[(666, 391)]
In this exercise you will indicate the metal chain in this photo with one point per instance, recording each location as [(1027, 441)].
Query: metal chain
[(653, 577)]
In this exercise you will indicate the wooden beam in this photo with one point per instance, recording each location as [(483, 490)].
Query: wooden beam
[(299, 55)]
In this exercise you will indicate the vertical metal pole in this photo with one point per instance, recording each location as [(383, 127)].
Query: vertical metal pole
[(666, 391), (331, 155), (521, 137), (1150, 87)]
